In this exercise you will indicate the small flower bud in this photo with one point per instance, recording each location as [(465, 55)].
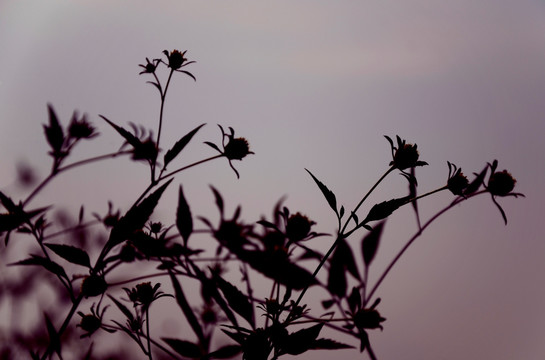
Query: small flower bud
[(368, 319)]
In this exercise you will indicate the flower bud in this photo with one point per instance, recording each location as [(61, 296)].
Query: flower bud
[(457, 183)]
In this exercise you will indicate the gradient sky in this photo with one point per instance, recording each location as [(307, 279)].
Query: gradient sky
[(316, 84)]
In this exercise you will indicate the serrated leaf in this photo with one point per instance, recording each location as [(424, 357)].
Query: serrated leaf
[(186, 308), (236, 299), (13, 220), (278, 268), (328, 194), (180, 145), (384, 209), (45, 263), (184, 348), (71, 253), (136, 217), (370, 242), (302, 340), (184, 220)]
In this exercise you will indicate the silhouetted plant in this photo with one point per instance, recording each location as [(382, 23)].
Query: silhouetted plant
[(258, 327)]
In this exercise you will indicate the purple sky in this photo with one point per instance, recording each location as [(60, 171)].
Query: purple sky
[(316, 84)]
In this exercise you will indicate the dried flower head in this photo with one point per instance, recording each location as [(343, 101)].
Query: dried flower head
[(144, 294), (175, 59)]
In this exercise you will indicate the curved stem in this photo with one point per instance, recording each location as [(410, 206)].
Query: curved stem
[(411, 240)]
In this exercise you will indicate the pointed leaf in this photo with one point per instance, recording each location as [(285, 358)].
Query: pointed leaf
[(184, 221), (180, 145), (236, 299), (385, 209), (184, 348), (186, 308), (45, 263), (131, 139), (136, 217), (8, 203), (302, 340), (54, 132), (328, 194), (219, 200), (370, 243), (71, 253)]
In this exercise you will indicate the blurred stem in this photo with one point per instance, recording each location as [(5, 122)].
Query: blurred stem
[(147, 334), (413, 238), (68, 167), (64, 325)]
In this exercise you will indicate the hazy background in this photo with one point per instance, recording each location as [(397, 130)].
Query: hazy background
[(316, 84)]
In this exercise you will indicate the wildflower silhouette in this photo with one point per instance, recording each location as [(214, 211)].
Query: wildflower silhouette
[(225, 318)]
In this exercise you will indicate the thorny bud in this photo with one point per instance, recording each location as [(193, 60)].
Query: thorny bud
[(93, 285), (298, 227), (501, 183), (237, 149)]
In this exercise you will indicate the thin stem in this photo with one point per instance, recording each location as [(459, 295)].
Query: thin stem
[(163, 97), (340, 234), (188, 166), (412, 239), (68, 167), (147, 333)]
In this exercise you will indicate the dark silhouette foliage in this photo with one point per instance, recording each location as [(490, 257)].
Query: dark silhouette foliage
[(278, 251)]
